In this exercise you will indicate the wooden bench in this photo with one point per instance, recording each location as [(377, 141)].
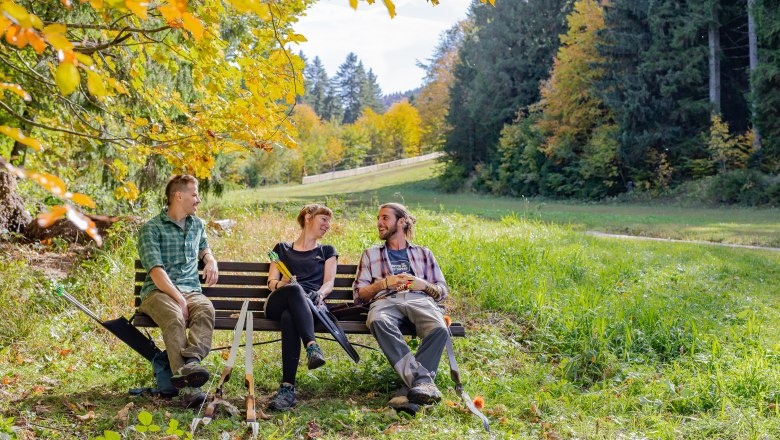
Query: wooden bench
[(240, 281)]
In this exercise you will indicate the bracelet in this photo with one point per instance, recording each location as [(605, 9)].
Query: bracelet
[(385, 280)]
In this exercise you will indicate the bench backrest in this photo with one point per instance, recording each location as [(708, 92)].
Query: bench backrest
[(239, 281)]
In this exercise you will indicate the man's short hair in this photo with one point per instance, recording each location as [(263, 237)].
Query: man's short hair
[(313, 209), (402, 212), (177, 183)]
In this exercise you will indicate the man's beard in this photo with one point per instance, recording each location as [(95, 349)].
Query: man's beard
[(389, 232)]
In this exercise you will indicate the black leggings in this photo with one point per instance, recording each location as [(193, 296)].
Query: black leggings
[(287, 305)]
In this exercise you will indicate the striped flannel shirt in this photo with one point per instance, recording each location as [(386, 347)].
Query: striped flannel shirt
[(161, 242), (375, 265)]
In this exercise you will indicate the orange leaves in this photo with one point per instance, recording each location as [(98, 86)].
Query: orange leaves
[(193, 25), (20, 27), (176, 16), (479, 402), (81, 199), (447, 320), (18, 136), (46, 219)]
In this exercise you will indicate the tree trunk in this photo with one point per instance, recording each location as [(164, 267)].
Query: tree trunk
[(753, 47), (714, 58), (13, 216)]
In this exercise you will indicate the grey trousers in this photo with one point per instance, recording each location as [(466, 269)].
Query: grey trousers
[(179, 343), (387, 314)]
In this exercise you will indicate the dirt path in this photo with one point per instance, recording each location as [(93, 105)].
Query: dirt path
[(671, 240)]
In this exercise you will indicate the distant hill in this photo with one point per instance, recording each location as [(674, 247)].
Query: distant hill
[(388, 100)]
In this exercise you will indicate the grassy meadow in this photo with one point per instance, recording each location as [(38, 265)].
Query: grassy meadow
[(569, 335), (415, 186)]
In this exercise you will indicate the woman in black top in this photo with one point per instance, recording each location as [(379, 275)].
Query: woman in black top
[(313, 266)]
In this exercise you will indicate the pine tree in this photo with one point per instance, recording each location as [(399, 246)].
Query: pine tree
[(656, 83), (317, 84), (348, 82), (766, 78), (371, 93), (501, 62)]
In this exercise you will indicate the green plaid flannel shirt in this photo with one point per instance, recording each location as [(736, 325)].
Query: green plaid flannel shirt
[(161, 242)]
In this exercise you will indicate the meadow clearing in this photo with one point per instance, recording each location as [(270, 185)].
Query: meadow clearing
[(569, 335)]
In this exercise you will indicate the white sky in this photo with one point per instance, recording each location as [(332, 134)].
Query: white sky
[(389, 47)]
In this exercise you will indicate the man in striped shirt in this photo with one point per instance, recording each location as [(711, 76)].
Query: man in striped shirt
[(403, 284)]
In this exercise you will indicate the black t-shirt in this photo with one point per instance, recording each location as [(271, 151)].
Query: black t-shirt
[(307, 266), (399, 261)]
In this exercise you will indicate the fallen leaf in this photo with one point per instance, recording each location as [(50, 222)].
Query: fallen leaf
[(313, 430), (122, 414), (38, 389), (479, 402), (41, 409), (535, 411), (65, 351), (88, 416)]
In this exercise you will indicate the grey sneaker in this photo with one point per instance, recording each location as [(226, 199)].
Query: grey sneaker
[(192, 374), (191, 397), (314, 356), (284, 398), (424, 393)]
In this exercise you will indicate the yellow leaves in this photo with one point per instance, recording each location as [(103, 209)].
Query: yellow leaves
[(492, 2), (55, 35), (137, 7), (17, 135), (16, 89), (390, 8), (95, 84), (128, 192), (17, 14), (67, 78), (353, 4), (97, 4)]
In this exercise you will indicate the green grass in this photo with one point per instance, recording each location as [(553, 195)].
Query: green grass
[(415, 186), (605, 338), (568, 334)]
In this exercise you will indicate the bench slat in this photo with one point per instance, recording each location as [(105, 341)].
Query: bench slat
[(242, 266), (250, 293), (351, 327)]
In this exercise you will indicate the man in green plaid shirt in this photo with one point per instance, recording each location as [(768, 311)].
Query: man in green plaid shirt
[(169, 246)]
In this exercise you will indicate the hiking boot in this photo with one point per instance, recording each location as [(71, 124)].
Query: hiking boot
[(192, 374), (191, 397), (424, 393), (402, 404), (314, 357), (284, 398)]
